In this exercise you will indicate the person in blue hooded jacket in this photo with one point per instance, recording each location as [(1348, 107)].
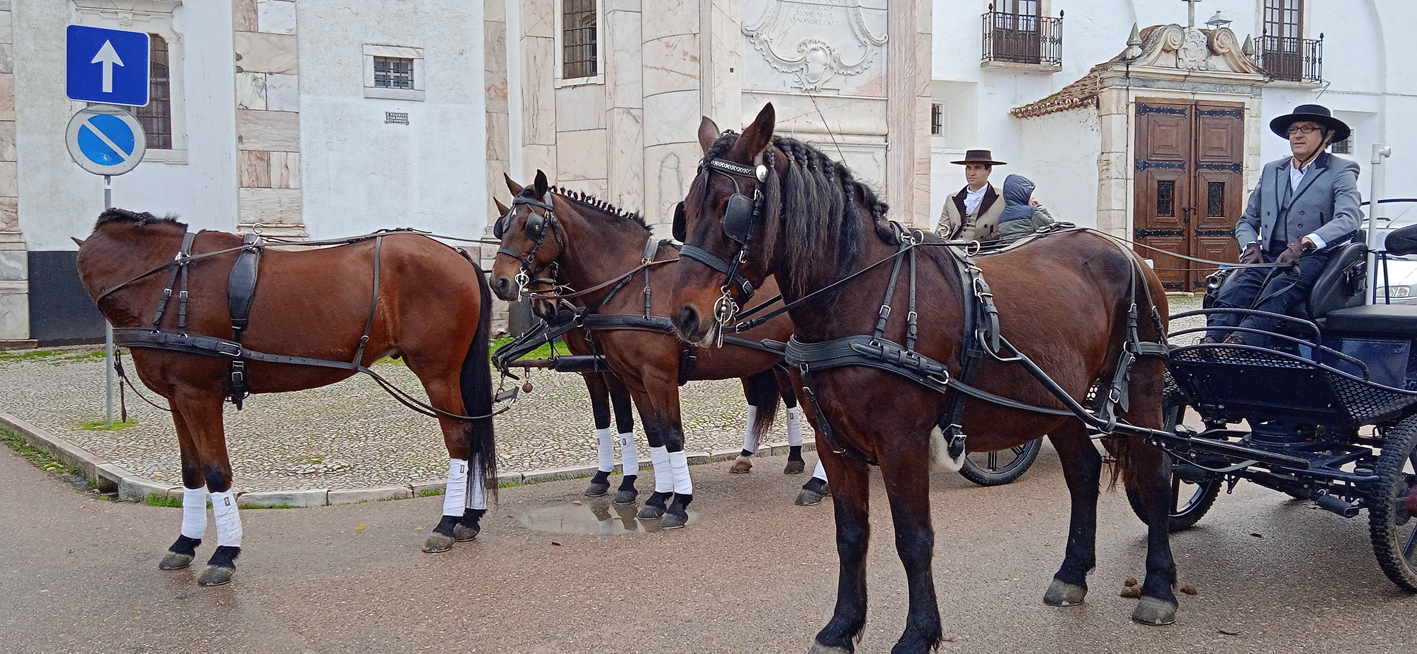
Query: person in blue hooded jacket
[(1022, 215)]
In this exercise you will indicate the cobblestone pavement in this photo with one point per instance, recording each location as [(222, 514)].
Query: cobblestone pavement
[(350, 434)]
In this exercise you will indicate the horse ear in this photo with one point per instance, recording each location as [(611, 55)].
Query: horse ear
[(757, 136), (512, 186), (708, 133), (77, 241), (541, 185), (502, 209)]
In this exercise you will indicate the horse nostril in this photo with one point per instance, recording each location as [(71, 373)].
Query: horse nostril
[(689, 319), (500, 286)]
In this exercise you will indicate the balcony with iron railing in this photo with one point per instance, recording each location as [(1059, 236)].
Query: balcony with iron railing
[(1291, 59), (1023, 42)]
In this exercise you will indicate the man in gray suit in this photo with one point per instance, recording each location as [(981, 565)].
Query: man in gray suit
[(1303, 209)]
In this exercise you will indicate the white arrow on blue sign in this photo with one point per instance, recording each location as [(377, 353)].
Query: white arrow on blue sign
[(104, 65), (106, 140)]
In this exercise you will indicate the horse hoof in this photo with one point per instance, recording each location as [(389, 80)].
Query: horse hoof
[(175, 561), (597, 489), (818, 648), (795, 467), (1154, 612), (651, 512), (741, 466), (216, 575), (809, 498), (463, 533), (674, 521), (1061, 593), (624, 497), (438, 543)]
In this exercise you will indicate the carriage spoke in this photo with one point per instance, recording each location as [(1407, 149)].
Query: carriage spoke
[(1018, 451), (1175, 493), (993, 460)]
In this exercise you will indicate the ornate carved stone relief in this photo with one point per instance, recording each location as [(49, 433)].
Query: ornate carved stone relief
[(819, 43)]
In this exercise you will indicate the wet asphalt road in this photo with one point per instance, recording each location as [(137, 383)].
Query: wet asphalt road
[(751, 573)]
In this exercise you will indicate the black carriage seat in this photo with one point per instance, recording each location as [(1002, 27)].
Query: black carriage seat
[(1340, 285), (1378, 319)]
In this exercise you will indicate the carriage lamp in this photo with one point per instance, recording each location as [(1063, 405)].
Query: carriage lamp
[(1218, 21)]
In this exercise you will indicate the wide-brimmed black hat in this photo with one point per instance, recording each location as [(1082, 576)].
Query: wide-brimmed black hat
[(978, 157), (1314, 112)]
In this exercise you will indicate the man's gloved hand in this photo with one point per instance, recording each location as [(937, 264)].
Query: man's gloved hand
[(1292, 253), (1251, 254)]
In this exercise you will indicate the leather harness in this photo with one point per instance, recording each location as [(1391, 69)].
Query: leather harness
[(241, 290)]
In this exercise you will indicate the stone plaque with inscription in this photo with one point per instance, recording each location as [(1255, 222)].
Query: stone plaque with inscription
[(819, 46)]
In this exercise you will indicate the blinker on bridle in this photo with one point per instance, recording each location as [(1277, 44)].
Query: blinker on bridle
[(535, 229), (738, 217)]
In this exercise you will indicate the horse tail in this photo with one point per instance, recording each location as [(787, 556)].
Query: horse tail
[(765, 397), (1152, 322), (475, 382)]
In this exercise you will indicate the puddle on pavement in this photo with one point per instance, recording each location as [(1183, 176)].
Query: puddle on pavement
[(595, 517)]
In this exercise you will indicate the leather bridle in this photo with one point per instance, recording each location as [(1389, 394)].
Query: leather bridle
[(739, 216), (535, 229)]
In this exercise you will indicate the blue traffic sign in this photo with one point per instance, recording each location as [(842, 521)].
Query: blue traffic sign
[(106, 140), (107, 66)]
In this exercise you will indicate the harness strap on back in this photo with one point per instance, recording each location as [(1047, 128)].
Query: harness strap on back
[(179, 263), (240, 295)]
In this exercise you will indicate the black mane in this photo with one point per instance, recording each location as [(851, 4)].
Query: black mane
[(116, 215), (591, 202), (818, 208)]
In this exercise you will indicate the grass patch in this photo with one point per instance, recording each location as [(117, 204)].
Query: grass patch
[(96, 355), (54, 357), (430, 492), (28, 355), (272, 506), (539, 353), (101, 425), (154, 500), (509, 484), (40, 457)]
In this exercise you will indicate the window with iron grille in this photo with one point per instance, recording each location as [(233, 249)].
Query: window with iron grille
[(578, 39), (937, 119), (1284, 51), (1016, 31), (393, 73), (156, 117)]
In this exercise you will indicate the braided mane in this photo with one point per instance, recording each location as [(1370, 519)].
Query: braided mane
[(116, 215), (589, 201)]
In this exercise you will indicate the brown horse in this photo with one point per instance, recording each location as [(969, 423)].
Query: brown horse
[(588, 243), (608, 392), (1063, 298), (432, 308)]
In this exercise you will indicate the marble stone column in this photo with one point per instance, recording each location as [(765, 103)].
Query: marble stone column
[(538, 88), (268, 117), (722, 52), (908, 112), (672, 108), (14, 259), (494, 43), (624, 104)]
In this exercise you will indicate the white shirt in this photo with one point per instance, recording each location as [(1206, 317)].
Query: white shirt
[(973, 198), (1296, 177)]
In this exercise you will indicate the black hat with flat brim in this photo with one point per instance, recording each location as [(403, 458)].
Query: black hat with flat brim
[(1311, 112), (983, 157)]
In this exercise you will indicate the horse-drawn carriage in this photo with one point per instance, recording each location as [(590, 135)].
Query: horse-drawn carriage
[(1327, 412)]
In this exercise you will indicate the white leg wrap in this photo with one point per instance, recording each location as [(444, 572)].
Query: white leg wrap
[(605, 450), (750, 438), (476, 486), (820, 472), (679, 463), (629, 454), (455, 495), (194, 512), (794, 427), (228, 520), (663, 476)]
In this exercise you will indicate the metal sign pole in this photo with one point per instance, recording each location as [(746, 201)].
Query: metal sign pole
[(107, 326), (1375, 176)]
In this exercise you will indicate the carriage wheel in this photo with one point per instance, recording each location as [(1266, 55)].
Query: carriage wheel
[(1002, 467), (1392, 506), (1191, 497)]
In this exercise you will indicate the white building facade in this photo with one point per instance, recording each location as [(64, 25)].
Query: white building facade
[(316, 118)]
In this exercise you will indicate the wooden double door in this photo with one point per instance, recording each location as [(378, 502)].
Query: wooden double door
[(1188, 185)]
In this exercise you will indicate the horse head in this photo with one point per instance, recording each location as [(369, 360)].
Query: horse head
[(531, 241)]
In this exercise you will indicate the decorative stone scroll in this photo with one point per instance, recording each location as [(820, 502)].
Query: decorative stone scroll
[(1190, 49), (815, 41)]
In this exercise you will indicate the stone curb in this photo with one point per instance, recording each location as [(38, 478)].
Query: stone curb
[(110, 478)]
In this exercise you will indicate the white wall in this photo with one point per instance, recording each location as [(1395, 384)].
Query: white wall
[(57, 199), (1061, 158), (360, 174)]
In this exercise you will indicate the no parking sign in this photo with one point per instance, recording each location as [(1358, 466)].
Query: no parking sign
[(106, 140)]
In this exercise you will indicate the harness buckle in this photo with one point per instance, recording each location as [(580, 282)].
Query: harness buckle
[(238, 374), (885, 312)]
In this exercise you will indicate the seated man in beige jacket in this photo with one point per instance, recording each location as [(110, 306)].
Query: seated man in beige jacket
[(972, 214)]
